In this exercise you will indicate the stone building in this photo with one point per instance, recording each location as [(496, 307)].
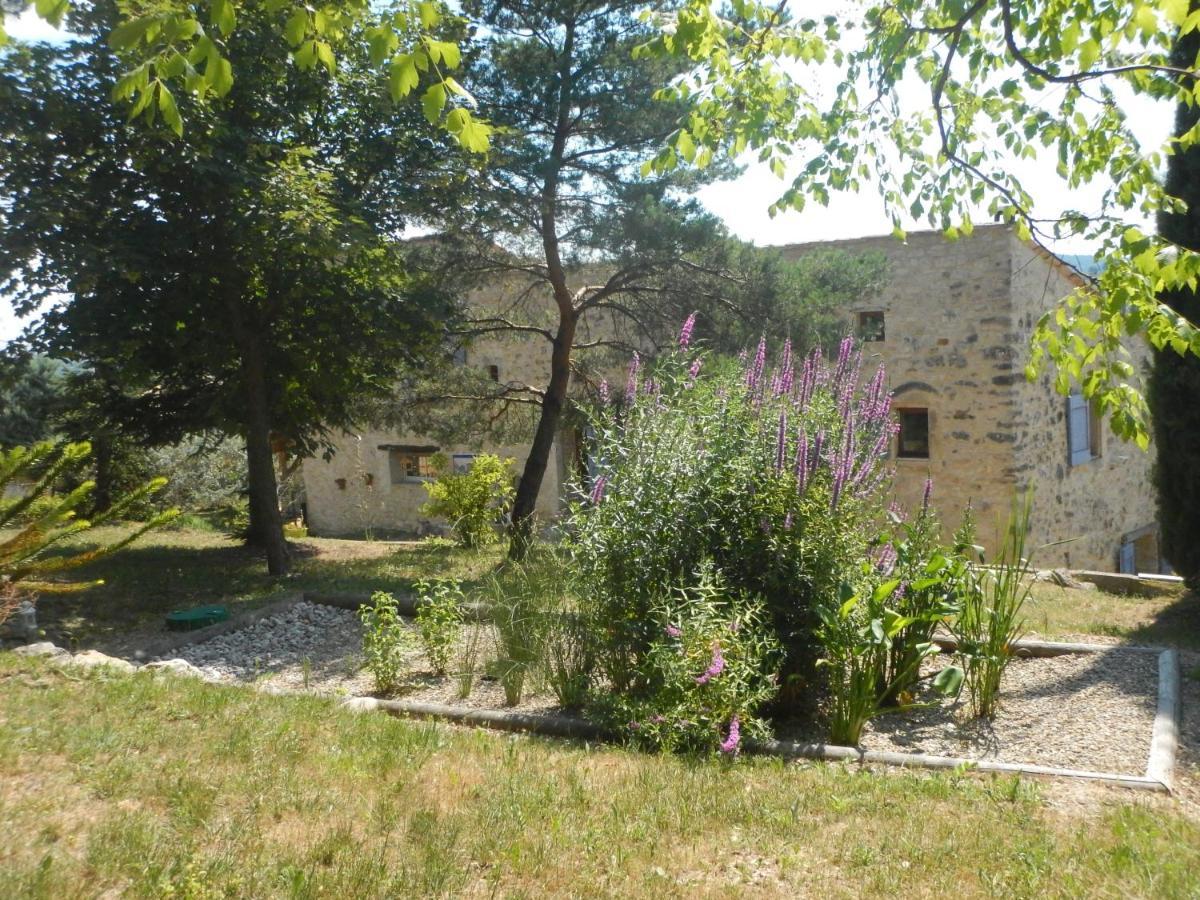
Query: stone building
[(952, 325)]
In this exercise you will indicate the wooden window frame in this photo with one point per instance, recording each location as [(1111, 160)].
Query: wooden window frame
[(872, 316)]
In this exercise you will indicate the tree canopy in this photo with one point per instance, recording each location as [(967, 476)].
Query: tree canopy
[(932, 102), (242, 279)]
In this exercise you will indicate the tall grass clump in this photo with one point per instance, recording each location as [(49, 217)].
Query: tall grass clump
[(768, 474), (989, 620)]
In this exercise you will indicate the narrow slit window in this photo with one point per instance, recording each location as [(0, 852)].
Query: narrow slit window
[(494, 373), (913, 440)]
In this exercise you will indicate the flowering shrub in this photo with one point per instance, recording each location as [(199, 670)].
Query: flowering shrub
[(707, 671), (773, 473)]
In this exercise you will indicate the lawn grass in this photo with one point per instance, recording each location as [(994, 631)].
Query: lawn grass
[(1172, 620), (152, 786), (172, 569)]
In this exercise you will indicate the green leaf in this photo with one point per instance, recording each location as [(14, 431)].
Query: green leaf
[(685, 146), (296, 27), (170, 112), (446, 51), (402, 76), (433, 101), (127, 34), (948, 681)]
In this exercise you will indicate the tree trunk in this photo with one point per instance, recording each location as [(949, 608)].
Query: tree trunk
[(266, 524), (521, 531)]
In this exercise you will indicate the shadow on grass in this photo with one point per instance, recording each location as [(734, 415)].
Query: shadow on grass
[(1175, 625), (174, 570)]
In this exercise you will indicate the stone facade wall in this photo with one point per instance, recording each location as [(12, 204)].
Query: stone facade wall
[(957, 321), (353, 492), (1090, 506), (948, 348)]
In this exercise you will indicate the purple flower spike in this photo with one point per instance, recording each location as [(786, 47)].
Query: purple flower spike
[(672, 631), (715, 668), (635, 364), (787, 521), (755, 372), (734, 738), (685, 333), (694, 371), (604, 391), (598, 490), (925, 496)]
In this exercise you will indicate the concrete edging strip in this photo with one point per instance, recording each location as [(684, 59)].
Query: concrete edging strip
[(1164, 740)]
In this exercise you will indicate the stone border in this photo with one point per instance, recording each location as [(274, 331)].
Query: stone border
[(1164, 740)]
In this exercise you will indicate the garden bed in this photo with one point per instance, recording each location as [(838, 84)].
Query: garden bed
[(1092, 711), (315, 647)]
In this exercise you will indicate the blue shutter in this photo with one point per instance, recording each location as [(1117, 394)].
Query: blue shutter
[(1078, 429)]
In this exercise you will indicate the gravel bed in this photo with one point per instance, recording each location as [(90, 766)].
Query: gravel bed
[(1091, 711), (1082, 711), (318, 648)]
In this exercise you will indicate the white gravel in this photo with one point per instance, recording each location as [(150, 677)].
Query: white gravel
[(324, 640)]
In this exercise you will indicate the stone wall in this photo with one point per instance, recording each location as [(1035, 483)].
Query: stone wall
[(947, 349), (353, 492), (1091, 506)]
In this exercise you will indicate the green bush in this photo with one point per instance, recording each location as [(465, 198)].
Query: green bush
[(775, 476), (473, 501), (386, 641), (712, 664), (439, 620)]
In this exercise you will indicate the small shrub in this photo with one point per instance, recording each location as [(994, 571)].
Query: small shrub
[(989, 621), (385, 641), (568, 657), (439, 620), (711, 666), (472, 501), (929, 582), (859, 635)]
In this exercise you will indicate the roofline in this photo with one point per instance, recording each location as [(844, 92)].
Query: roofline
[(1058, 264)]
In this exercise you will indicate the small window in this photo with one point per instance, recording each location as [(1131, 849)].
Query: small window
[(913, 440), (459, 356), (407, 466), (494, 373), (870, 326), (460, 463), (1083, 429)]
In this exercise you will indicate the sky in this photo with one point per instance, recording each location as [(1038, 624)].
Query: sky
[(742, 203)]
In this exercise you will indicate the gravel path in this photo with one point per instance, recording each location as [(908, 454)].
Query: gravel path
[(1082, 711), (1085, 711)]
